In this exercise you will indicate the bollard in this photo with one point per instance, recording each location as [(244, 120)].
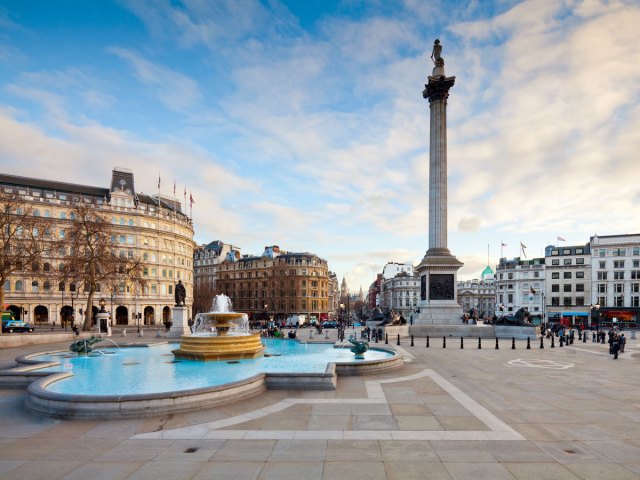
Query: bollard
[(561, 341), (158, 333), (444, 342), (553, 343), (479, 343), (376, 337), (579, 334), (427, 341), (461, 343), (528, 343), (386, 339), (412, 340), (497, 346), (326, 333), (310, 333), (398, 340), (141, 333), (124, 332), (542, 341), (584, 337), (513, 343)]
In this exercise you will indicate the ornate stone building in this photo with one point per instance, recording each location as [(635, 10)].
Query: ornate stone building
[(478, 294), (206, 265), (400, 294), (152, 228), (277, 284)]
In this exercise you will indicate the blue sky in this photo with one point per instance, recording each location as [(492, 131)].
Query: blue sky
[(301, 123)]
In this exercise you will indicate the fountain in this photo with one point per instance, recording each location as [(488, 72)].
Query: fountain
[(220, 335)]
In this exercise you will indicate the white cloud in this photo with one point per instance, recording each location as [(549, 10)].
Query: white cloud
[(175, 90)]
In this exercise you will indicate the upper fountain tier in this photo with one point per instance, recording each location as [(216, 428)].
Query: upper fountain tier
[(221, 320)]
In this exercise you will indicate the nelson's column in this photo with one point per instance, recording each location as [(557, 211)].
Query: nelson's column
[(438, 269)]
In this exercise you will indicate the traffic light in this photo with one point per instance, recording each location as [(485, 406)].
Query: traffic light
[(80, 312)]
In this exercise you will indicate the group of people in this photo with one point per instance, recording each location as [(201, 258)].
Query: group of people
[(617, 342)]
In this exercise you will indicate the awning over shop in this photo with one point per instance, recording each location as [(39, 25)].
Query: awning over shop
[(575, 314)]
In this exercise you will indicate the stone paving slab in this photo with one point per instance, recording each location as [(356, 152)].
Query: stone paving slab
[(449, 414)]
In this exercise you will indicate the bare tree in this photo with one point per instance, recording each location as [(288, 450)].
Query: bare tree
[(204, 290), (22, 238), (92, 257)]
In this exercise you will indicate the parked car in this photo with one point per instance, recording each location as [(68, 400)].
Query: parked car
[(10, 326), (330, 324)]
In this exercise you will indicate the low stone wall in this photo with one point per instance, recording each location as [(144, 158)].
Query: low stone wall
[(11, 340), (369, 367), (394, 330), (519, 333), (326, 380), (434, 331)]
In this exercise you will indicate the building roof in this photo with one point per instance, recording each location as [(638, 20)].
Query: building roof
[(37, 183)]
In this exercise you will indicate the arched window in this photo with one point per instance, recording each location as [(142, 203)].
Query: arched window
[(46, 266), (34, 286), (61, 287), (131, 223), (7, 285), (47, 213), (61, 267), (73, 216), (63, 215), (36, 212), (46, 286), (18, 285), (35, 267), (72, 287)]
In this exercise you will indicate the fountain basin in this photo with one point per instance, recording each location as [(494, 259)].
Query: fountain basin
[(224, 347), (138, 382)]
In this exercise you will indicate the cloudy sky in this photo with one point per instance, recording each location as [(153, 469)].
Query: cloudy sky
[(301, 123)]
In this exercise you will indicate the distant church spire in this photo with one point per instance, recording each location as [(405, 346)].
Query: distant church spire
[(344, 289)]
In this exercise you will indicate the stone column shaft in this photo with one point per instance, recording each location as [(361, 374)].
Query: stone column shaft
[(438, 175)]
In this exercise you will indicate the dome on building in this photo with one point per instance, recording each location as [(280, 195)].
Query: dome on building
[(487, 273)]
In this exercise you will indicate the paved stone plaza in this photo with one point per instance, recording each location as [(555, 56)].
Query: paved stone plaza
[(562, 413)]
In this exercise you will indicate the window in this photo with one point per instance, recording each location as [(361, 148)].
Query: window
[(566, 287), (618, 264), (579, 274), (579, 251), (566, 251), (636, 250), (579, 261), (618, 275), (636, 264), (602, 264), (618, 301), (635, 301), (566, 275), (36, 212), (46, 286), (619, 252), (602, 275), (536, 274), (7, 285), (63, 215), (602, 288), (635, 274), (555, 275), (34, 286), (567, 261), (567, 301), (554, 252), (555, 287), (555, 301), (580, 301), (579, 287), (555, 262), (618, 287), (510, 298), (602, 252), (18, 285)]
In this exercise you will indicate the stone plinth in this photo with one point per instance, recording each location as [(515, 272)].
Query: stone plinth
[(180, 325), (102, 324), (213, 347), (438, 294)]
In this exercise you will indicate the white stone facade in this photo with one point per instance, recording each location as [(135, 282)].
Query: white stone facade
[(520, 283)]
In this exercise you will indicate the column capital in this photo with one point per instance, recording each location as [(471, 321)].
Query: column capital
[(438, 88)]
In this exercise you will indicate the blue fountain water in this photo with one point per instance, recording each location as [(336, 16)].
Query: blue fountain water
[(130, 371)]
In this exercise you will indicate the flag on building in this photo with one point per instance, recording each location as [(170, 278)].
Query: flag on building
[(158, 181), (560, 239), (533, 292), (523, 248), (185, 194), (503, 244), (174, 187), (191, 200)]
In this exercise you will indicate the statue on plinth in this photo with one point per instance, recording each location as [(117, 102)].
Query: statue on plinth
[(436, 53), (180, 294)]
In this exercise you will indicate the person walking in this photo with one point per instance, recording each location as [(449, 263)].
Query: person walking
[(623, 342), (615, 346)]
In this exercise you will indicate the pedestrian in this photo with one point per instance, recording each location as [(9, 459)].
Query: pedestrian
[(593, 337), (623, 342), (615, 347)]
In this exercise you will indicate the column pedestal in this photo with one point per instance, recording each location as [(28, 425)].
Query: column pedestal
[(180, 325), (438, 295), (102, 324)]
